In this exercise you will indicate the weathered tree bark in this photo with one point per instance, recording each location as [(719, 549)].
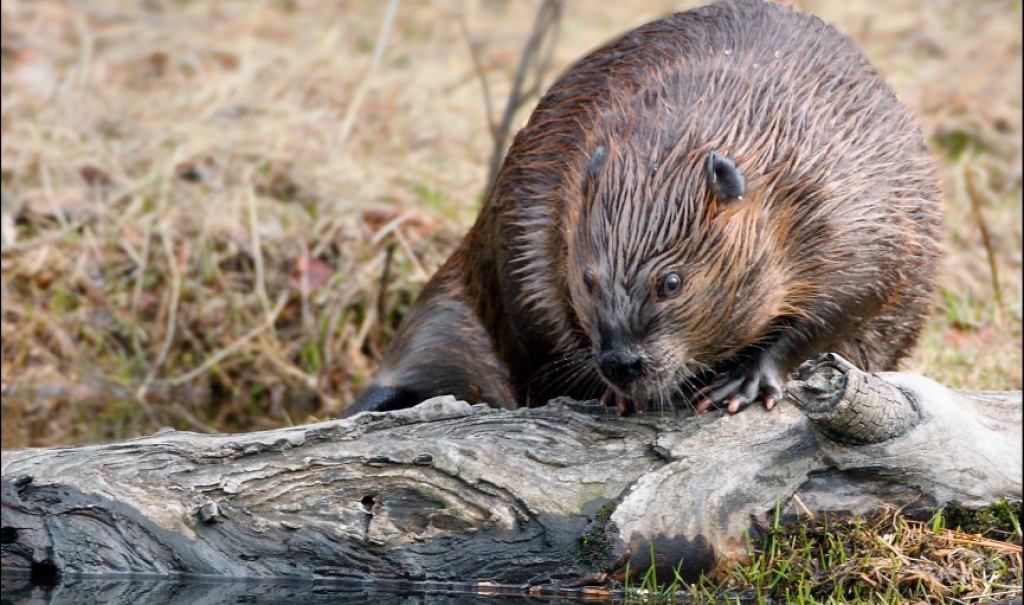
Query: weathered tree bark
[(448, 492)]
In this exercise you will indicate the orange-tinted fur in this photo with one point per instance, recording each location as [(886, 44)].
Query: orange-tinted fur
[(832, 246)]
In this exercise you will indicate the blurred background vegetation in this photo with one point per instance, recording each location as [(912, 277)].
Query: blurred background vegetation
[(200, 199)]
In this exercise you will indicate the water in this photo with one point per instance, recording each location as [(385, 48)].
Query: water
[(19, 589)]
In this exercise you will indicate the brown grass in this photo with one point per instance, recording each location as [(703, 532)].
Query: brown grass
[(192, 237)]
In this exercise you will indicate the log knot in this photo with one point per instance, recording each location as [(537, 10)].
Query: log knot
[(851, 406), (209, 512)]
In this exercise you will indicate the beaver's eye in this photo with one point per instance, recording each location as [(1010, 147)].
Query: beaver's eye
[(588, 280), (670, 285)]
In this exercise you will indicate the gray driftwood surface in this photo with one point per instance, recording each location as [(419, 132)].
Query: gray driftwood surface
[(449, 492)]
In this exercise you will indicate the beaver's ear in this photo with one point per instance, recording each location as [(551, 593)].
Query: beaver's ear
[(724, 178)]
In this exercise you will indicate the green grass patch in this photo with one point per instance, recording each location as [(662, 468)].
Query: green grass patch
[(956, 556)]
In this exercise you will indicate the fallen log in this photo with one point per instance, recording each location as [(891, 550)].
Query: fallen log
[(450, 492)]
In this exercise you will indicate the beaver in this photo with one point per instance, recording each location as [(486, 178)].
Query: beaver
[(691, 211)]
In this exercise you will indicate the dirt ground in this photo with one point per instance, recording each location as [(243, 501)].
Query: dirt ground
[(198, 199)]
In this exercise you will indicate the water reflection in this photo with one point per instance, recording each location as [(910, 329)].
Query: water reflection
[(20, 590)]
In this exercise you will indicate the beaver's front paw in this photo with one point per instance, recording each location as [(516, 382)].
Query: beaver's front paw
[(757, 378)]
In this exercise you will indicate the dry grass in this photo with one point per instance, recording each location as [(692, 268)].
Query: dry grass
[(192, 236)]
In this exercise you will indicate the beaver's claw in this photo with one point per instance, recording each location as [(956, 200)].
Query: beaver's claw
[(743, 385)]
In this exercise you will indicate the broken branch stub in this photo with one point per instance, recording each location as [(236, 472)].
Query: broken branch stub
[(851, 406)]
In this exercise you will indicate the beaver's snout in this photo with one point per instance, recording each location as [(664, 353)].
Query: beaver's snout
[(621, 367)]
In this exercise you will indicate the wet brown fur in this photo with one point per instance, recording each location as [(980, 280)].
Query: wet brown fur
[(833, 246)]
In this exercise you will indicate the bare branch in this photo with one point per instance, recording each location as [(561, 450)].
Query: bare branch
[(535, 61)]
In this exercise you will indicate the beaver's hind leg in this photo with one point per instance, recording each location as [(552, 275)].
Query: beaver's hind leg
[(441, 348)]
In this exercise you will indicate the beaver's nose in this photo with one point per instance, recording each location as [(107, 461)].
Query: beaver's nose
[(620, 366)]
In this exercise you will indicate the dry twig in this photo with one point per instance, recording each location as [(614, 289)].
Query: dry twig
[(357, 97), (978, 194), (535, 60)]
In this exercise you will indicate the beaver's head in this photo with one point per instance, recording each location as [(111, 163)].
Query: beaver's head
[(674, 265)]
